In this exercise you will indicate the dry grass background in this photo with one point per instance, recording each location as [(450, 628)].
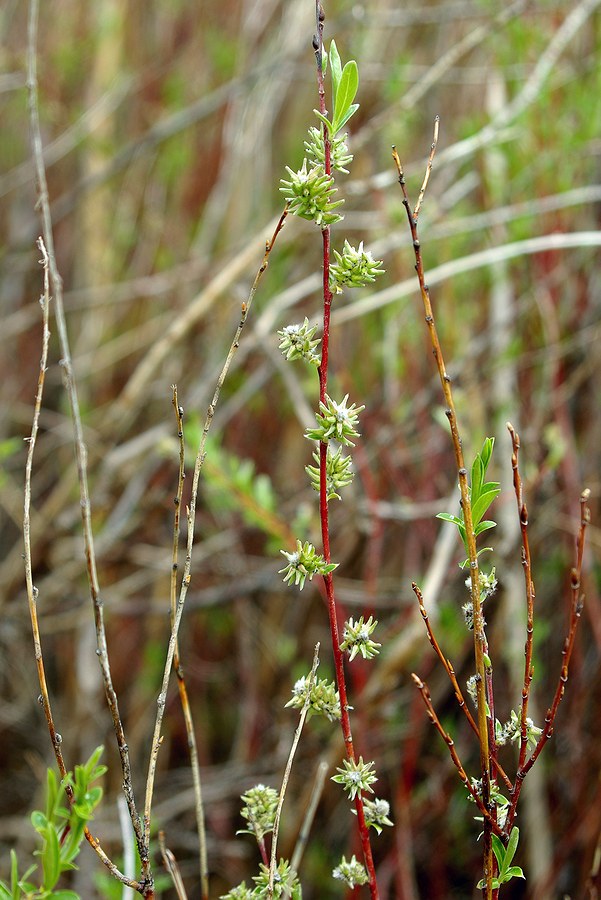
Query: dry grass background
[(167, 127)]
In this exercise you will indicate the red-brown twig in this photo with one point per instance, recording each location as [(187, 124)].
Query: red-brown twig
[(530, 591), (448, 667), (323, 499), (424, 691), (576, 604), (445, 380)]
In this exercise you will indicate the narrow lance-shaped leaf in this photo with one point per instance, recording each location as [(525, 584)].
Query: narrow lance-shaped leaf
[(345, 94), (335, 70)]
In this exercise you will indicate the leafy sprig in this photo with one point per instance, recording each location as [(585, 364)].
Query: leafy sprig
[(61, 830), (345, 84), (482, 493)]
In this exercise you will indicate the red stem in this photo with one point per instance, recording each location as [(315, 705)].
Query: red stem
[(323, 500)]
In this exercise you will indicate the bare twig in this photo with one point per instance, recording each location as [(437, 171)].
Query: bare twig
[(178, 668), (576, 605), (32, 592), (424, 691), (172, 867), (55, 280), (448, 667), (479, 634), (303, 835), (530, 591), (191, 519)]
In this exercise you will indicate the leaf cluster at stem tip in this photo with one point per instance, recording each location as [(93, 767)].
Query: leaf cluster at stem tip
[(345, 84), (482, 493)]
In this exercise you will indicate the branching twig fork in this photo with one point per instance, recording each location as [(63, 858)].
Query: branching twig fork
[(577, 601), (448, 667), (432, 715)]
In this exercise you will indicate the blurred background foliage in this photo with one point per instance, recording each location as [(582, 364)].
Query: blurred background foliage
[(167, 126)]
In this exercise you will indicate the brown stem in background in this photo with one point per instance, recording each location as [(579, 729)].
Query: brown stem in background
[(445, 380)]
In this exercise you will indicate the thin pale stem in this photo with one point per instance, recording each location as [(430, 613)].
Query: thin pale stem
[(479, 635), (172, 867), (305, 829), (176, 616), (273, 865), (32, 591), (145, 887), (177, 665)]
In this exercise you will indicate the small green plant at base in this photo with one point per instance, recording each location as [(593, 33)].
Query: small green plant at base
[(62, 832)]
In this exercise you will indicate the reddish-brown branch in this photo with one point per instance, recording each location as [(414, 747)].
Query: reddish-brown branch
[(432, 715), (577, 602), (530, 592), (445, 381), (448, 667)]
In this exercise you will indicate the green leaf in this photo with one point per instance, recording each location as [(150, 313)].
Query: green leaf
[(350, 112), (336, 70), (484, 526), (486, 452), (14, 874), (498, 849), (484, 501), (51, 795), (51, 859), (65, 895), (325, 121), (5, 894), (346, 93), (447, 517), (477, 476), (39, 821), (512, 846), (513, 872)]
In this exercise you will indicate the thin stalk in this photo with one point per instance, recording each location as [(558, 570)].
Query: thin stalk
[(576, 606), (305, 829), (273, 864), (176, 616), (432, 715), (177, 666), (32, 591), (448, 667), (445, 381), (530, 592), (172, 867), (323, 499), (145, 887)]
